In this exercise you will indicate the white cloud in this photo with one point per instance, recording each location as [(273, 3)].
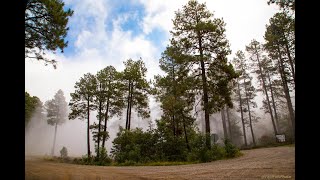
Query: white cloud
[(159, 14), (244, 20), (83, 38), (95, 49)]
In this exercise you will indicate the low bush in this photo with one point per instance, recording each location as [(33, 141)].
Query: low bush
[(230, 149), (64, 152)]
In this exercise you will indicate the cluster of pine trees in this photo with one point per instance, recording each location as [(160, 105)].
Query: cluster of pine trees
[(272, 65), (196, 67), (109, 92), (197, 73)]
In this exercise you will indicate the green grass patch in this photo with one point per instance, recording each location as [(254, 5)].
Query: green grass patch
[(131, 163), (290, 145), (57, 159), (268, 146), (161, 163), (48, 158)]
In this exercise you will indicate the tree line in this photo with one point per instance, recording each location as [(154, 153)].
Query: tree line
[(196, 67), (197, 73), (109, 92)]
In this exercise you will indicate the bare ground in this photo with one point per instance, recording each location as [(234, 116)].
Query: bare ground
[(266, 163)]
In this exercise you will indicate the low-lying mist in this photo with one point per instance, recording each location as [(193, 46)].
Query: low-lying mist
[(73, 133)]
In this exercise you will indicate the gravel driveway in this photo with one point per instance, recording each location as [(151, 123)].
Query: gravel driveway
[(266, 163)]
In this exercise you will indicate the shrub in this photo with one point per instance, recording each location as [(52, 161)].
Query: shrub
[(103, 159), (86, 160), (267, 140), (218, 152), (64, 152), (76, 160), (128, 163), (230, 149), (135, 145), (205, 155)]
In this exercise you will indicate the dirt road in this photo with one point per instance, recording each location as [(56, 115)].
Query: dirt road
[(266, 163)]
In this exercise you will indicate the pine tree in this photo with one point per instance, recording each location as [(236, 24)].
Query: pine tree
[(32, 105), (255, 51), (134, 77), (57, 113), (249, 91), (201, 37), (240, 98), (280, 38), (286, 5), (82, 101), (45, 27), (279, 44), (174, 91), (109, 100), (273, 82)]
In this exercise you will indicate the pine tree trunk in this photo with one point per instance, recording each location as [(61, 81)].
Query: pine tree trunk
[(88, 128), (54, 139), (224, 125), (131, 94), (128, 100), (273, 103), (241, 112), (105, 123), (248, 105), (267, 96), (205, 95), (250, 121), (99, 127), (185, 132), (252, 134), (229, 124), (173, 126), (287, 94)]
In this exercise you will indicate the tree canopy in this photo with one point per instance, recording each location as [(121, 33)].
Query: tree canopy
[(32, 103), (45, 28), (57, 109)]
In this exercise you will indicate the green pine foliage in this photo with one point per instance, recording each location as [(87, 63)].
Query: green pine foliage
[(32, 106), (45, 28), (201, 38)]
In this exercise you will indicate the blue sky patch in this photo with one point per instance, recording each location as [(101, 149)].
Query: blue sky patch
[(135, 13)]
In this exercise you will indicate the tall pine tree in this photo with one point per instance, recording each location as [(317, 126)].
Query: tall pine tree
[(57, 113), (137, 89), (82, 102), (202, 37)]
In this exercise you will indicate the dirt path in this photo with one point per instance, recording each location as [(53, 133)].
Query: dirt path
[(267, 163)]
